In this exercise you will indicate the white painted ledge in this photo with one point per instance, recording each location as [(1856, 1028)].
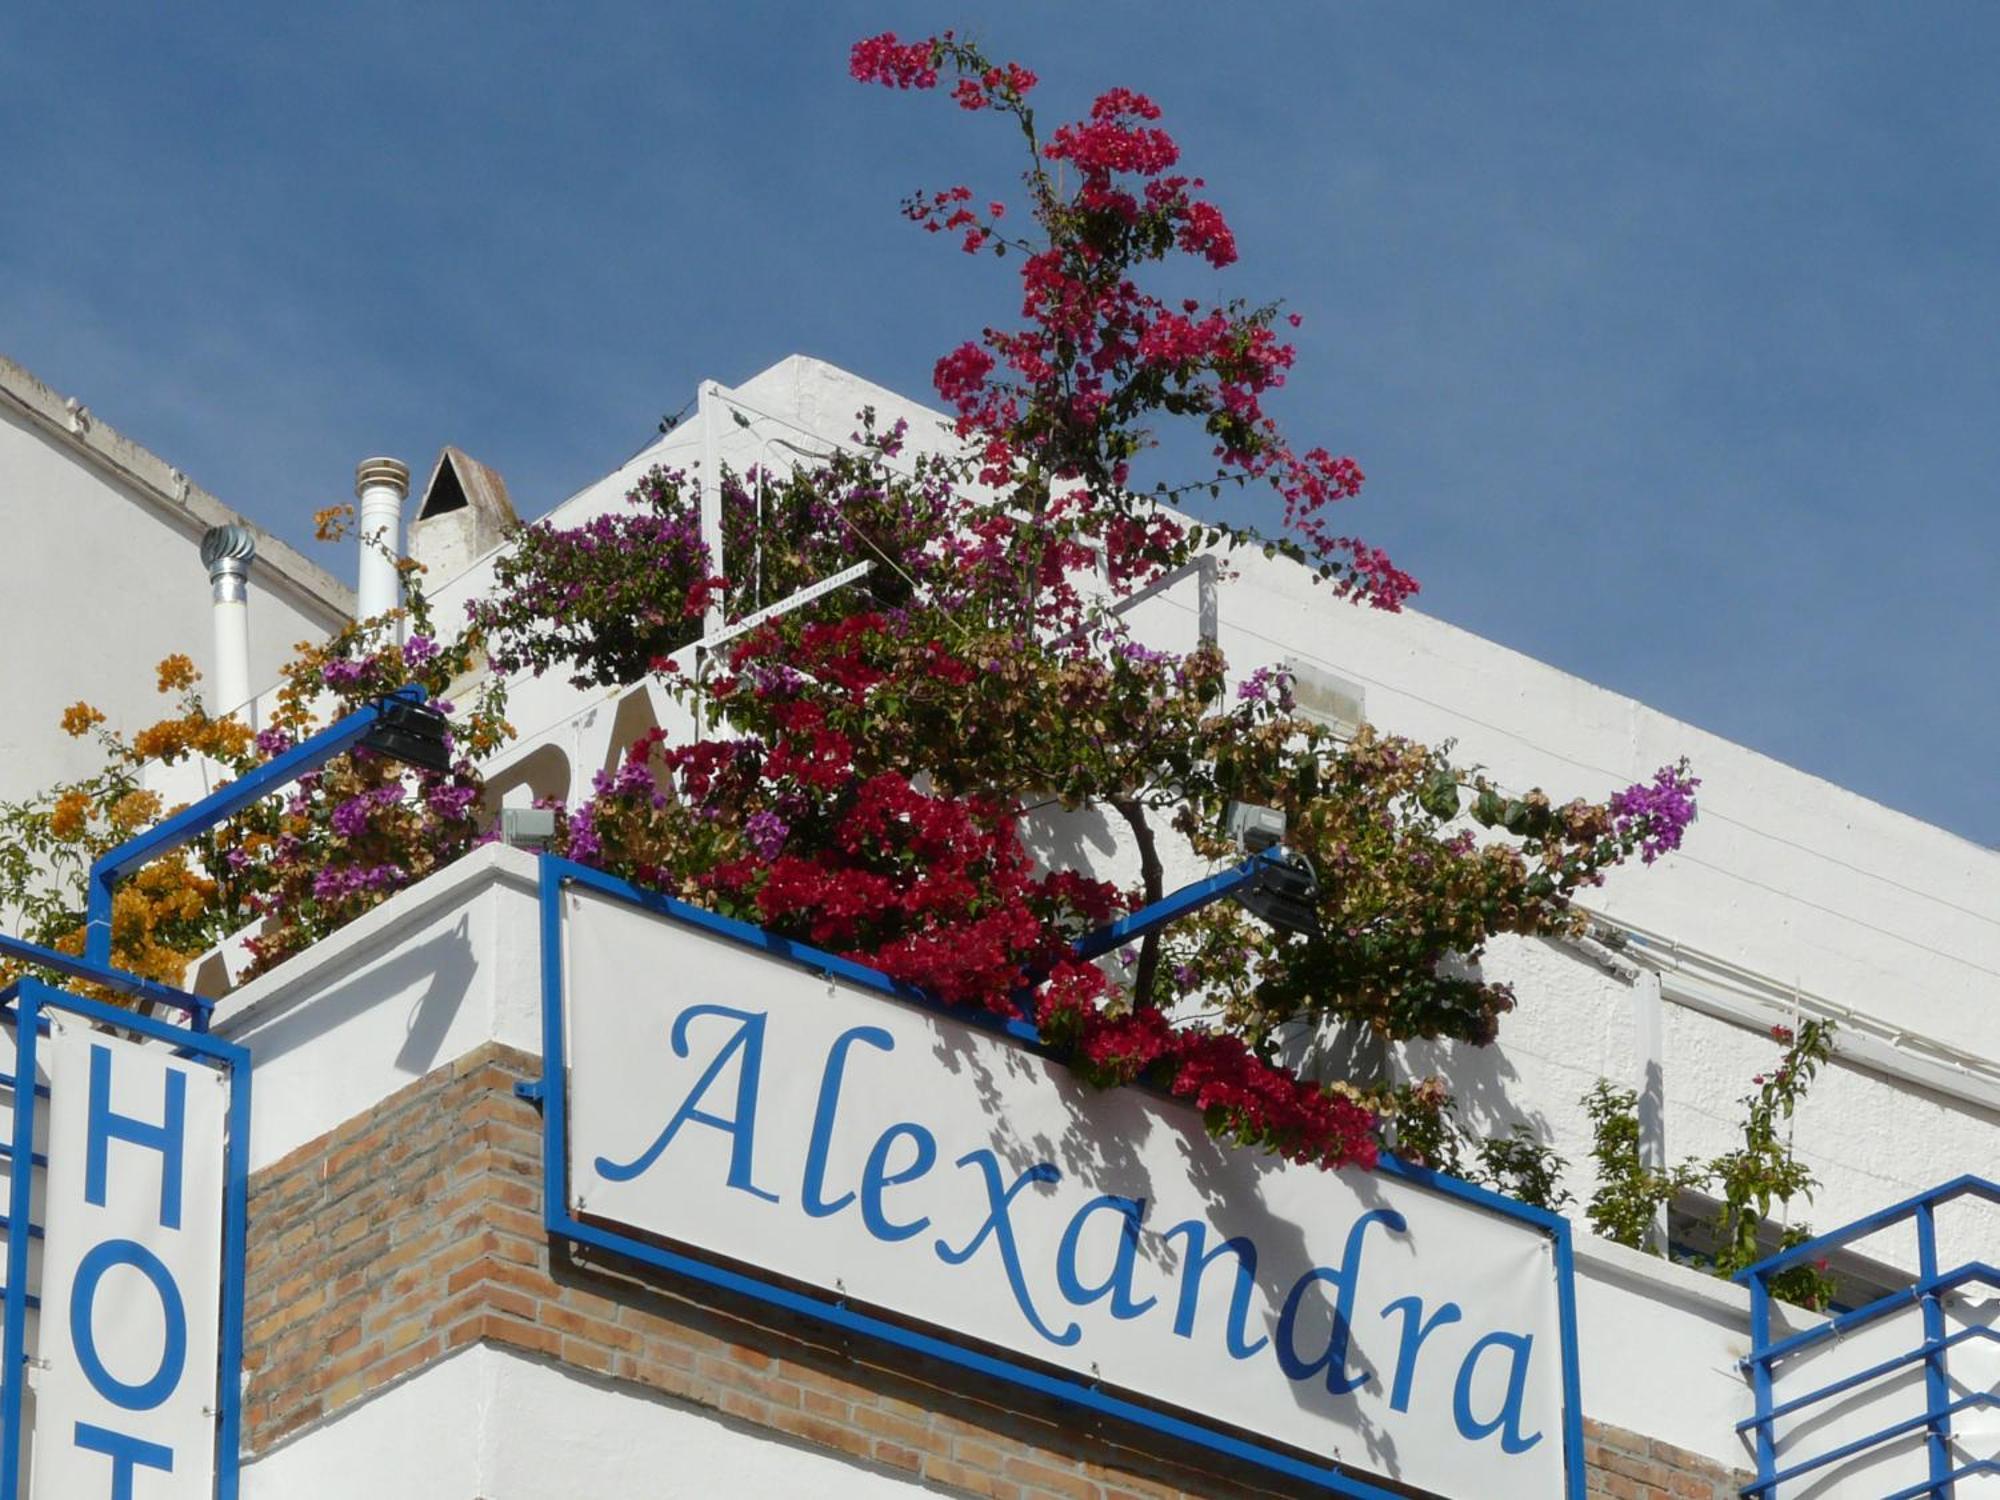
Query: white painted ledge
[(493, 1424)]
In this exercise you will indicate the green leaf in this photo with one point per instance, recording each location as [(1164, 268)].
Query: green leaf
[(1439, 796)]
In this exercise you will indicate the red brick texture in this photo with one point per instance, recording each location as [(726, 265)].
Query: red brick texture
[(415, 1229), (1624, 1466)]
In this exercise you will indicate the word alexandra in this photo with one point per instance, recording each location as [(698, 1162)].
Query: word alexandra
[(887, 1198)]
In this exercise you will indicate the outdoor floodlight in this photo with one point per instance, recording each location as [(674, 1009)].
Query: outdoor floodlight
[(414, 733), (1283, 893)]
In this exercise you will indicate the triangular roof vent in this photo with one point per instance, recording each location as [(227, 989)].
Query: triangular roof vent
[(459, 480), (465, 513)]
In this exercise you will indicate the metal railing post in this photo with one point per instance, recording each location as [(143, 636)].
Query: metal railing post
[(20, 1188), (1760, 1383), (1937, 1389)]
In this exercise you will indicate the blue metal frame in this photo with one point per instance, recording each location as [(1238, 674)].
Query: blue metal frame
[(193, 821), (552, 1093), (23, 1002), (117, 980), (1926, 1292), (1175, 905)]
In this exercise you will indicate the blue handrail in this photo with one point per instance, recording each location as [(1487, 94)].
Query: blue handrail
[(115, 980), (1926, 1292), (302, 759)]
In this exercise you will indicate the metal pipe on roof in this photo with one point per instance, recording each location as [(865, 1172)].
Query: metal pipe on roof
[(227, 552), (381, 485)]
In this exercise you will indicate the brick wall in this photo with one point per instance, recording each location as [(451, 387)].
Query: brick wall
[(1624, 1466), (416, 1229)]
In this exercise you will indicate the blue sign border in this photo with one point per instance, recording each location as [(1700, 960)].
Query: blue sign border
[(30, 998), (557, 1219)]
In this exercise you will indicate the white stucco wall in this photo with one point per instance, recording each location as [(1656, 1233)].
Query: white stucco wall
[(107, 581), (490, 1424)]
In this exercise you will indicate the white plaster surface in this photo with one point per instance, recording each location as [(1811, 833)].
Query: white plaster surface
[(1657, 1346), (490, 1424), (417, 983), (106, 583)]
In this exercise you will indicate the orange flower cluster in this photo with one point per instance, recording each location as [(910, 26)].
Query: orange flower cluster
[(192, 734), (332, 523), (177, 672), (79, 719), (70, 819)]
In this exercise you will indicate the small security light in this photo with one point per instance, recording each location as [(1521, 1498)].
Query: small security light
[(1284, 893), (527, 827), (414, 733), (1254, 828)]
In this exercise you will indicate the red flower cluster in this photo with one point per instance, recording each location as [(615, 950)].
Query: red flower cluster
[(1238, 1093), (938, 891), (1009, 83), (945, 211), (1112, 140), (884, 60), (1097, 350)]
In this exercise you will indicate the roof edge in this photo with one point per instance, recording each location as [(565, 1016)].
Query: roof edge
[(170, 493)]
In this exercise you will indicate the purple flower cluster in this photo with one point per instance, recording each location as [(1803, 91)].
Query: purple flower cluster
[(774, 680), (766, 832), (341, 674), (273, 742), (1656, 812), (451, 801), (350, 819), (633, 778), (1140, 655), (348, 880), (1271, 685), (585, 847), (418, 649)]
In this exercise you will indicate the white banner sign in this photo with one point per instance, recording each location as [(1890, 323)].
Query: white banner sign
[(905, 1159), (131, 1272)]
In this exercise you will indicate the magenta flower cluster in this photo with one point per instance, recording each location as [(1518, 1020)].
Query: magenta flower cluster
[(1656, 812), (766, 833), (345, 880), (350, 819), (1271, 685)]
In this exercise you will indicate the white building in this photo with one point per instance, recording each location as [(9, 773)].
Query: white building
[(416, 1326), (108, 580)]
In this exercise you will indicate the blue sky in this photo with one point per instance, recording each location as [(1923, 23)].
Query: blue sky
[(1669, 336)]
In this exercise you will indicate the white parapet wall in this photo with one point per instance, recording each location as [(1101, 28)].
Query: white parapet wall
[(491, 1424)]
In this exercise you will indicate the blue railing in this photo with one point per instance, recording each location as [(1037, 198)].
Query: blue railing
[(1926, 1293), (365, 727)]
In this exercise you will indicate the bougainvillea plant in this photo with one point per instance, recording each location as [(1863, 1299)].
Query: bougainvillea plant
[(880, 773), (874, 771), (1752, 1186), (289, 870)]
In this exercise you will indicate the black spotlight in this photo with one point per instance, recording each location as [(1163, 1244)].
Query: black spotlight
[(1284, 893), (414, 733)]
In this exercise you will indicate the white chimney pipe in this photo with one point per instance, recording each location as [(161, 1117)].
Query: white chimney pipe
[(228, 551), (381, 484)]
